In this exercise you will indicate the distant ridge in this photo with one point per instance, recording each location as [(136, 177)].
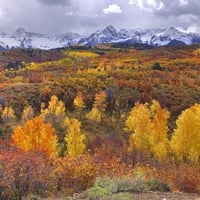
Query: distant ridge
[(156, 37)]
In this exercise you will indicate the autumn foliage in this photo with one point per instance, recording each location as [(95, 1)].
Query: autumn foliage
[(24, 173), (106, 112), (74, 138), (36, 136), (55, 114), (148, 146), (148, 125), (185, 141)]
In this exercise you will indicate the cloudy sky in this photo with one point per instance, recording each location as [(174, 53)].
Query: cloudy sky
[(85, 16)]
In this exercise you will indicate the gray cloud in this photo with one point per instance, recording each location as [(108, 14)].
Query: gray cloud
[(86, 16), (180, 7), (54, 2)]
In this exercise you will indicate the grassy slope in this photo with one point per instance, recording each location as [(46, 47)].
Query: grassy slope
[(129, 73)]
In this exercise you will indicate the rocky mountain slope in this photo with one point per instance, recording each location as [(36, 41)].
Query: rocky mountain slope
[(156, 37)]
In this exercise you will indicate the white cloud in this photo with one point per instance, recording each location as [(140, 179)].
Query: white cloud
[(160, 6), (183, 2), (151, 3), (148, 5), (113, 8), (190, 29), (131, 2), (138, 3)]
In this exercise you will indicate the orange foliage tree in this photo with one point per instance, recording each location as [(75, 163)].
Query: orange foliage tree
[(35, 136)]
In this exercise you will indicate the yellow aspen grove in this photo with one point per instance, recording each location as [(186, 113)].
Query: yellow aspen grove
[(56, 115), (139, 124), (196, 52), (36, 136), (158, 138), (55, 106), (8, 115), (185, 141), (74, 138), (27, 113), (148, 125), (94, 115), (78, 101)]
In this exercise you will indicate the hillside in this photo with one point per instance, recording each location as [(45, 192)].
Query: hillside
[(127, 73), (101, 120)]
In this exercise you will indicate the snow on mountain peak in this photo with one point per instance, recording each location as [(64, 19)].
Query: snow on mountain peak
[(22, 38), (170, 35), (110, 31), (171, 31)]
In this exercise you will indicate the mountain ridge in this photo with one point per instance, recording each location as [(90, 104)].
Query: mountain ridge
[(155, 37)]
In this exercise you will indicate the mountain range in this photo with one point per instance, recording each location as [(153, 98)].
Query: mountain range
[(155, 37)]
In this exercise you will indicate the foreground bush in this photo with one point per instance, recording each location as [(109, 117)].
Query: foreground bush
[(75, 173), (23, 173), (184, 177), (107, 188)]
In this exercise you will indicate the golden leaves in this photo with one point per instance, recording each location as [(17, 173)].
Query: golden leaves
[(94, 115), (78, 101), (185, 141), (148, 125), (74, 138), (35, 136)]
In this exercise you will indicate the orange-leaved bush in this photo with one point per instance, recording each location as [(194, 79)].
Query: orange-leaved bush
[(35, 136)]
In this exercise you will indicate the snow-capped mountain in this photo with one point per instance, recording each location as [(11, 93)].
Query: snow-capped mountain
[(24, 39), (108, 35), (156, 37), (170, 35)]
